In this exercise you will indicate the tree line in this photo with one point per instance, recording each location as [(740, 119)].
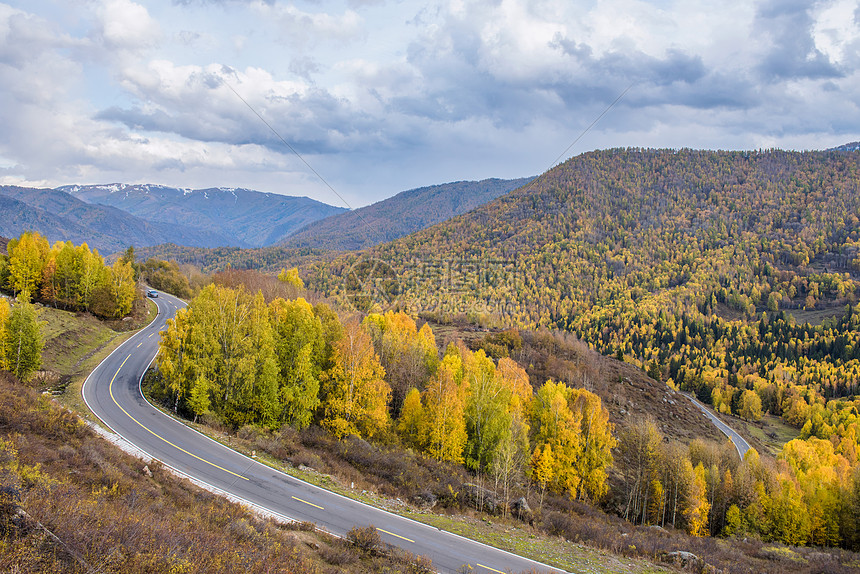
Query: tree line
[(809, 495), (234, 356), (67, 277)]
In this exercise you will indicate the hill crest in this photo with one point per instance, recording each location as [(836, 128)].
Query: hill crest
[(60, 216), (247, 217), (407, 212)]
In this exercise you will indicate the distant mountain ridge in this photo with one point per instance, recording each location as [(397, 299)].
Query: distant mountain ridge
[(249, 218), (400, 215), (60, 216), (111, 217)]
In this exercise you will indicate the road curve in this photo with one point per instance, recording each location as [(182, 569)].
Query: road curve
[(112, 392), (740, 443)]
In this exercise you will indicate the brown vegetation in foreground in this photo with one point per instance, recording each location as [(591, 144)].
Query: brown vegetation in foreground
[(71, 502)]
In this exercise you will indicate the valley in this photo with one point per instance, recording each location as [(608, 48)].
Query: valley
[(290, 286)]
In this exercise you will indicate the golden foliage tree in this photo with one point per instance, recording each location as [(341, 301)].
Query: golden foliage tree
[(28, 256), (750, 406), (413, 420), (444, 399), (354, 393), (697, 505)]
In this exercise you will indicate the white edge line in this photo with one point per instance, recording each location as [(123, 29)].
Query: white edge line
[(123, 444), (254, 507), (269, 468)]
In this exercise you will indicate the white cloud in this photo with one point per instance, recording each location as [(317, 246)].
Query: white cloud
[(126, 25), (837, 31), (306, 29), (384, 96)]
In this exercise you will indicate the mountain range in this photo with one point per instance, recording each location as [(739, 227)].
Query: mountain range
[(853, 146), (248, 218), (400, 215), (112, 217), (60, 216)]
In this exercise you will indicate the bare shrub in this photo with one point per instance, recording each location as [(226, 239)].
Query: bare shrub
[(250, 432), (66, 452), (214, 422), (338, 554), (557, 524), (365, 538), (301, 526), (241, 530)]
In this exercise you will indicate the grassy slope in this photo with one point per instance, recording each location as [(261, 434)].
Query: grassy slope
[(76, 342), (767, 436)]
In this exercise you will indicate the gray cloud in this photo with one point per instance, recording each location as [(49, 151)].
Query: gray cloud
[(787, 24)]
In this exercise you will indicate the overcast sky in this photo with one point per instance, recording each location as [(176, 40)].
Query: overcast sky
[(379, 96)]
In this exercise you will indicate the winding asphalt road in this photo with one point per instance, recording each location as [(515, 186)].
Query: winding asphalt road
[(740, 443), (113, 394)]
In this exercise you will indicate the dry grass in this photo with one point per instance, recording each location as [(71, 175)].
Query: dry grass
[(823, 311), (768, 435), (107, 515), (75, 343)]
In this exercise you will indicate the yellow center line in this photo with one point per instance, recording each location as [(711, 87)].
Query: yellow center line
[(308, 503), (397, 535), (110, 390), (490, 569), (139, 344), (151, 334)]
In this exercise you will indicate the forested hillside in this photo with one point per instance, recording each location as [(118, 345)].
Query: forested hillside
[(700, 267), (405, 213)]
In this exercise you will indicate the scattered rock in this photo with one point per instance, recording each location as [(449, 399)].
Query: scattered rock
[(480, 498), (147, 472), (683, 559), (425, 500), (520, 508)]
